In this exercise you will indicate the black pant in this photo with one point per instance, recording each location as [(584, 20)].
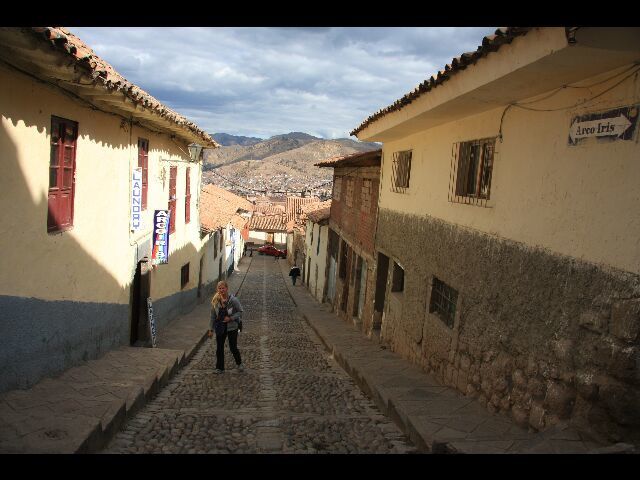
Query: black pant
[(233, 346), (294, 278)]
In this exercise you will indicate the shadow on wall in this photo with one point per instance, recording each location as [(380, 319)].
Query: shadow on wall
[(41, 335)]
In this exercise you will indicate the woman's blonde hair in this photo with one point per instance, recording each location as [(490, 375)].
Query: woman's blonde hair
[(217, 297)]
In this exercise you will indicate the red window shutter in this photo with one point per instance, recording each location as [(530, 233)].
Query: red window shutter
[(143, 162), (173, 173), (187, 198), (62, 169)]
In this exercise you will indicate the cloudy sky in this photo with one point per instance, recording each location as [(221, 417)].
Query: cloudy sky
[(260, 82)]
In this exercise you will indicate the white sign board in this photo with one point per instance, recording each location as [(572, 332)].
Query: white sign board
[(152, 324), (136, 199), (606, 127), (611, 125)]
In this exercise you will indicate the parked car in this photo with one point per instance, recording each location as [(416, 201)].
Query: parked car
[(271, 250)]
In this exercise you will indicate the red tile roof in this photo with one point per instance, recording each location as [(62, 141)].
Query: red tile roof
[(373, 157), (268, 223), (294, 204), (218, 207), (321, 212), (490, 43), (101, 73)]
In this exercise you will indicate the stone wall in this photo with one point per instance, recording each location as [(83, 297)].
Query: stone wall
[(540, 336)]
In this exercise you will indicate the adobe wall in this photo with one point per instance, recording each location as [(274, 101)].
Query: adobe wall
[(538, 335)]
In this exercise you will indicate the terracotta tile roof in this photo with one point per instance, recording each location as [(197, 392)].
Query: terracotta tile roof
[(268, 209), (373, 157), (268, 223), (102, 75), (321, 212), (294, 204), (218, 207), (490, 43)]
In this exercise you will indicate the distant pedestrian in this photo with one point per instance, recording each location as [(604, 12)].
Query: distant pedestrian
[(226, 318), (244, 251), (294, 273)]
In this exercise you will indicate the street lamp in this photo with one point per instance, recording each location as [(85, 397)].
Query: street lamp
[(194, 151)]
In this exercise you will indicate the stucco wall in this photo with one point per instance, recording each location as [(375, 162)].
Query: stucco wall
[(65, 297), (319, 261), (579, 200), (542, 336)]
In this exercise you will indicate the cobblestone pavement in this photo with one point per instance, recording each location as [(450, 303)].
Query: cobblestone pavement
[(291, 398)]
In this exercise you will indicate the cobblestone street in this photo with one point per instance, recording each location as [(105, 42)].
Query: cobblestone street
[(292, 396)]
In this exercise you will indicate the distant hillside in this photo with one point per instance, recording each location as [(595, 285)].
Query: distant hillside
[(282, 162), (227, 140)]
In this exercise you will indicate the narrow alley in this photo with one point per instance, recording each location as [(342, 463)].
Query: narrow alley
[(292, 396)]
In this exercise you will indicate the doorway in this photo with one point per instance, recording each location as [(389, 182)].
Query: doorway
[(140, 291), (381, 290)]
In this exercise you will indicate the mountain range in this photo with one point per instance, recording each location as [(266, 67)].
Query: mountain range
[(280, 163)]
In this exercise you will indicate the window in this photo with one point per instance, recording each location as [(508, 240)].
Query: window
[(143, 162), (173, 173), (401, 171), (349, 195), (215, 244), (62, 172), (187, 198), (337, 186), (184, 275), (365, 196), (472, 171), (443, 301), (318, 242), (397, 281)]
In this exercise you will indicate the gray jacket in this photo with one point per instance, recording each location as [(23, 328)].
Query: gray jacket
[(234, 310)]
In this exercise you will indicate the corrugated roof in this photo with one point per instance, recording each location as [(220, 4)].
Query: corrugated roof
[(101, 74), (218, 207), (373, 157), (490, 43)]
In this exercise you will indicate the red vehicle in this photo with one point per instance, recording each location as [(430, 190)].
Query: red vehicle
[(271, 250)]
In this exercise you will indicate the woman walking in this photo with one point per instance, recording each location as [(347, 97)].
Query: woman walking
[(226, 314)]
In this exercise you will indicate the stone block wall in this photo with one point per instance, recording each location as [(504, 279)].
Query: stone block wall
[(539, 336)]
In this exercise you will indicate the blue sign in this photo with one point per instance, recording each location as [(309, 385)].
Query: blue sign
[(160, 248)]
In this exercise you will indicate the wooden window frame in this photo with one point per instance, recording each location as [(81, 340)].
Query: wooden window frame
[(173, 174), (61, 196), (401, 171), (471, 171), (143, 162)]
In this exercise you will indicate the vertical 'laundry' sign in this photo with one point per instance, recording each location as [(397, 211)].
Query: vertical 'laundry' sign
[(160, 252), (136, 199)]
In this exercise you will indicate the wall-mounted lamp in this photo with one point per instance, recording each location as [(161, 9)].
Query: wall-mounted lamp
[(195, 151)]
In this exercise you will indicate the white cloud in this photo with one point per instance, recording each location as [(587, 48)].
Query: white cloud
[(267, 81)]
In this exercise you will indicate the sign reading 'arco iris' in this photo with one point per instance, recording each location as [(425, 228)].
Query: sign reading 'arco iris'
[(160, 249), (616, 124)]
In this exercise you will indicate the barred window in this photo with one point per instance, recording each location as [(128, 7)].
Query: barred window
[(401, 171), (337, 186), (443, 301), (472, 166)]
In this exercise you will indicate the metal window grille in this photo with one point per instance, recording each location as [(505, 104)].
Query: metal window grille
[(401, 171), (471, 169), (443, 301)]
